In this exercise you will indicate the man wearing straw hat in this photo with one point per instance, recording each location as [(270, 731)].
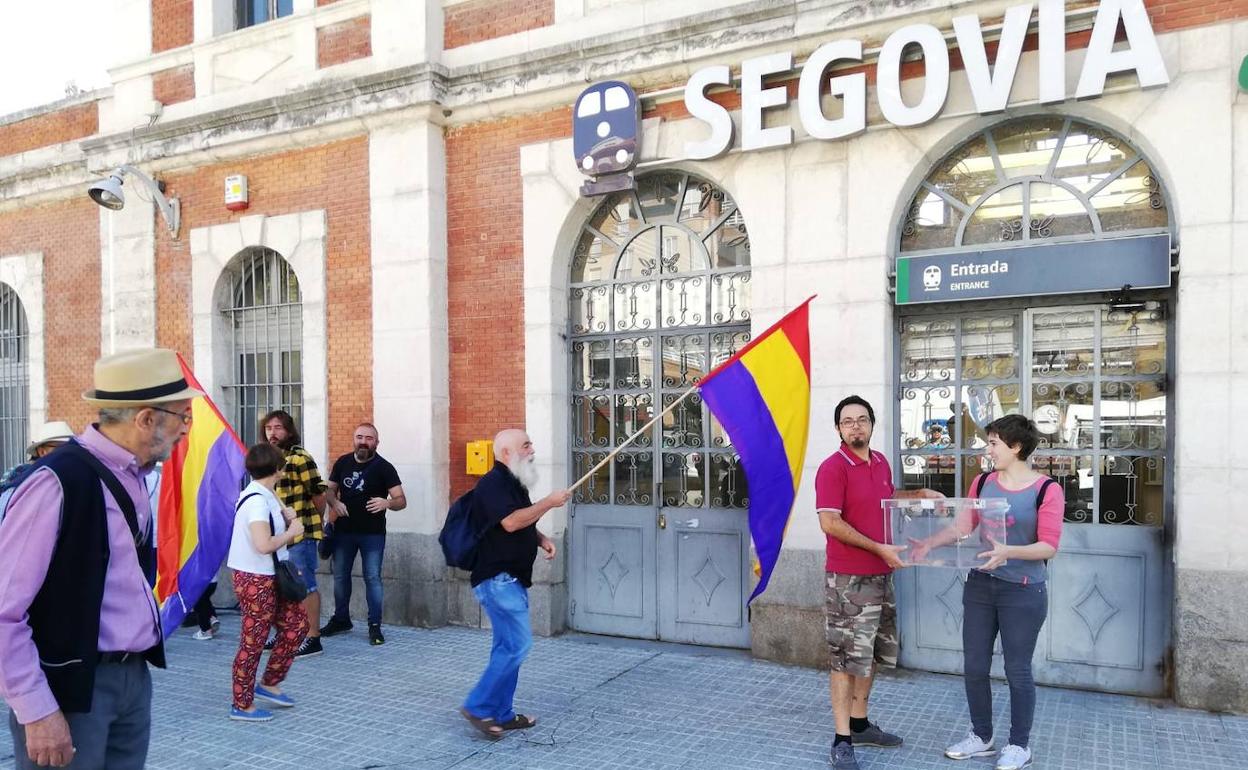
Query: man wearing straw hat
[(507, 519), (49, 436), (78, 621)]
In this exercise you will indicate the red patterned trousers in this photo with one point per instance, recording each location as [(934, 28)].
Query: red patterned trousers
[(261, 607)]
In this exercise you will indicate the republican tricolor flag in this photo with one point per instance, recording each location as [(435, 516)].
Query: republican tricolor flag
[(762, 398), (199, 485)]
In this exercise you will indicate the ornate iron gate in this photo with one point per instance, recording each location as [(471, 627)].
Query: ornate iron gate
[(660, 294)]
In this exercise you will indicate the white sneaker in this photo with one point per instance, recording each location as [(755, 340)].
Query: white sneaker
[(971, 746), (1014, 758), (203, 636)]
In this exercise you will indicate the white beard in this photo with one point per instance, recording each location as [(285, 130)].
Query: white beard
[(525, 470)]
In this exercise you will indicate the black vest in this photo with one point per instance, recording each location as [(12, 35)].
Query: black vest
[(65, 615)]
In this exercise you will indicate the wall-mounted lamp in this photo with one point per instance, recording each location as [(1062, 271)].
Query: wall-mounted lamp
[(108, 193)]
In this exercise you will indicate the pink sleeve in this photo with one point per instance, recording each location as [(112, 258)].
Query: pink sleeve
[(27, 538), (971, 494), (1049, 517), (830, 485)]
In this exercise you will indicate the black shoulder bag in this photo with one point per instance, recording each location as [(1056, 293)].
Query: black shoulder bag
[(290, 582)]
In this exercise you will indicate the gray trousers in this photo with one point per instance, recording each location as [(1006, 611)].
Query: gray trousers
[(114, 734)]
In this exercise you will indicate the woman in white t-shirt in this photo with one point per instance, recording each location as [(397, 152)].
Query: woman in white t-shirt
[(261, 528)]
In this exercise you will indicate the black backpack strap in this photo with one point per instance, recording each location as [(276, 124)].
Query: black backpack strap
[(979, 484), (114, 487), (244, 499), (1040, 495)]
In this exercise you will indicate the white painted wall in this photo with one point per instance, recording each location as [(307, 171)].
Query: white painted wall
[(411, 399)]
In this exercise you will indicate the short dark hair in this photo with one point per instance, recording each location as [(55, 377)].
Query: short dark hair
[(264, 460), (850, 401), (288, 422), (1015, 430)]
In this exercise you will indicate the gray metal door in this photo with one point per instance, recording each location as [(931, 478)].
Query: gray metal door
[(1094, 377), (658, 538)]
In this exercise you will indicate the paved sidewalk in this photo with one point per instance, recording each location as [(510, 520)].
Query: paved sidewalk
[(619, 704)]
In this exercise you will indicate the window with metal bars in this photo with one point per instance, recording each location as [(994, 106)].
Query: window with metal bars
[(264, 313), (14, 379)]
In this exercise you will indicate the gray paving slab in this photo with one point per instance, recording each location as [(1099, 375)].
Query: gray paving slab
[(619, 704)]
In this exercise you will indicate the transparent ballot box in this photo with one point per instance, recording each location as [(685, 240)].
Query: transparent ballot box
[(949, 532)]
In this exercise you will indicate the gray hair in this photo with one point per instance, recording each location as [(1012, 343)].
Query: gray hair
[(117, 415)]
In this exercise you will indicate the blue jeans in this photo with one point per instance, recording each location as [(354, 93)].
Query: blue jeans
[(1016, 611), (506, 602), (371, 549), (303, 555)]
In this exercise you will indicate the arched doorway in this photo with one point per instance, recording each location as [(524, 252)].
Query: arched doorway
[(659, 293), (14, 379), (262, 309), (1093, 370)]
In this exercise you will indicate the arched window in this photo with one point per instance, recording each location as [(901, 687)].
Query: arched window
[(264, 313), (1035, 178), (14, 379), (660, 294)]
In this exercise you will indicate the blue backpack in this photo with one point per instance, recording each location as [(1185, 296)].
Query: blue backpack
[(459, 539)]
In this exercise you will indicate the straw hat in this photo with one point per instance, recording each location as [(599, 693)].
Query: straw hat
[(57, 432), (139, 377)]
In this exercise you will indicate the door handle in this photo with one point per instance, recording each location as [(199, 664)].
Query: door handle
[(662, 520)]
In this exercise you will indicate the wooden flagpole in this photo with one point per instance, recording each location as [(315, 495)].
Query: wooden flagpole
[(633, 437)]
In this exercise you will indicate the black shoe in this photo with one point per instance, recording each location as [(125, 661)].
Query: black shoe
[(269, 645), (874, 736), (336, 626), (310, 648), (374, 634)]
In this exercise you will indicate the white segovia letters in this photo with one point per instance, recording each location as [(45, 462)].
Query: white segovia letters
[(990, 82)]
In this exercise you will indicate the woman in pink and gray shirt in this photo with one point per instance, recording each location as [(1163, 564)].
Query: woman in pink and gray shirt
[(1007, 594)]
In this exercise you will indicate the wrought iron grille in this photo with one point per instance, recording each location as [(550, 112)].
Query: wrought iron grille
[(1092, 377), (14, 379), (660, 294), (265, 318), (1034, 178)]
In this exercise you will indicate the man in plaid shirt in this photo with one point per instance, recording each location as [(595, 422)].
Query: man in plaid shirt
[(301, 488)]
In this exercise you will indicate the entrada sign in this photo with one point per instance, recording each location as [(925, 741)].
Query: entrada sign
[(1141, 262), (990, 84)]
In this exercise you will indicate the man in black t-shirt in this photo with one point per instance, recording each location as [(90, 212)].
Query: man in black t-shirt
[(362, 487), (503, 512)]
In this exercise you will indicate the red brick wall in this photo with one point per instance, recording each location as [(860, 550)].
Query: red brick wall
[(50, 128), (480, 20), (68, 235), (485, 272), (173, 24), (319, 3), (176, 84), (332, 177), (343, 42)]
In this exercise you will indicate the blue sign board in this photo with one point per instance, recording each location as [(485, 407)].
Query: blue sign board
[(606, 136), (1141, 262)]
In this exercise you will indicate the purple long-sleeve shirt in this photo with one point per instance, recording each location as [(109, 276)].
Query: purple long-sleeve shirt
[(129, 616)]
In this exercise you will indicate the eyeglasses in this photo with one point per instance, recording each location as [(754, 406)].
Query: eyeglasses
[(861, 422), (185, 417)]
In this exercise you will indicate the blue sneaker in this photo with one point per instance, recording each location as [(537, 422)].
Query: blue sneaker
[(257, 715), (279, 699)]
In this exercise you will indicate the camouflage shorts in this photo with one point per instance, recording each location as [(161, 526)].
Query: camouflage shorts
[(861, 622)]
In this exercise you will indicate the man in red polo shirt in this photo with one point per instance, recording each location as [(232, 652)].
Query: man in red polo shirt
[(861, 612)]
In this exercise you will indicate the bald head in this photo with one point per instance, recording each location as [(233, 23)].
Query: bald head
[(513, 449), (511, 444)]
